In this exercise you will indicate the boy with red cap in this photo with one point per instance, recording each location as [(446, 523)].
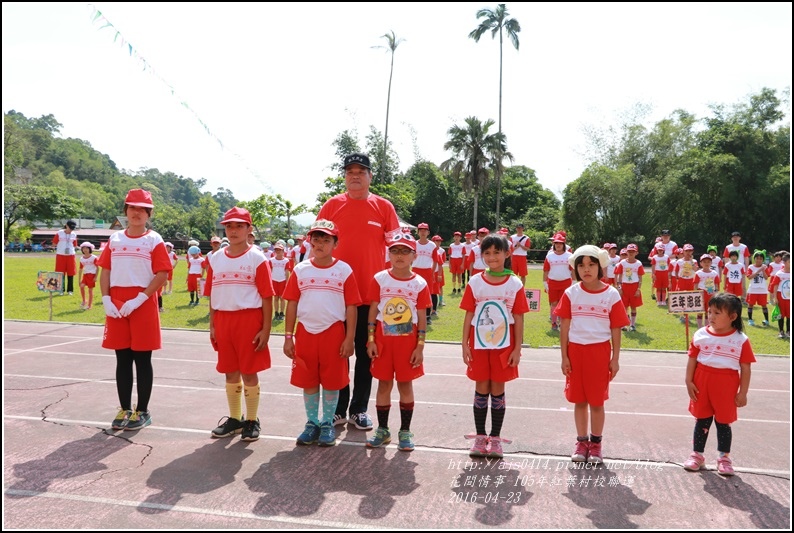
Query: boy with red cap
[(468, 245), (475, 254), (456, 255), (439, 258), (660, 274), (281, 267), (322, 297), (241, 306), (629, 274), (87, 275), (65, 242), (425, 265), (685, 269), (708, 281), (134, 266), (396, 337)]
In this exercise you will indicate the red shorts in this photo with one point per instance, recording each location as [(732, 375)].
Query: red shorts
[(456, 265), (557, 289), (756, 299), (588, 381), (278, 287), (784, 305), (518, 264), (491, 365), (394, 357), (234, 340), (170, 275), (685, 284), (630, 297), (89, 280), (192, 282), (317, 360), (427, 275), (661, 280), (717, 389), (144, 322), (66, 264), (734, 288), (609, 281), (706, 298)]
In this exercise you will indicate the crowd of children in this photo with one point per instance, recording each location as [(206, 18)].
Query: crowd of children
[(593, 293)]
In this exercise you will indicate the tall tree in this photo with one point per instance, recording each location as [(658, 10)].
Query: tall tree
[(392, 43), (497, 22), (476, 154)]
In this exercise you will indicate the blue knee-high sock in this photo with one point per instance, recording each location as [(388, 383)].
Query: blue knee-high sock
[(330, 399), (312, 404)]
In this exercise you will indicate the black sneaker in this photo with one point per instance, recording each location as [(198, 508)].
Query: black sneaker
[(138, 420), (230, 427), (250, 430)]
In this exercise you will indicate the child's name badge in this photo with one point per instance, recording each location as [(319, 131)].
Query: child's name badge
[(491, 329)]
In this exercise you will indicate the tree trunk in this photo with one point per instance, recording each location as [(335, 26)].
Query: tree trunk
[(474, 219), (386, 132), (498, 177)]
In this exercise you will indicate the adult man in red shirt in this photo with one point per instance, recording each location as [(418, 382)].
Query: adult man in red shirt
[(365, 222)]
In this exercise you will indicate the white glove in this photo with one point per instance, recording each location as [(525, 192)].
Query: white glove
[(131, 305), (546, 286), (110, 309)]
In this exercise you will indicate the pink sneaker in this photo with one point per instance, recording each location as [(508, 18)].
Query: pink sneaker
[(581, 451), (725, 465), (594, 453), (695, 462), (495, 447), (480, 446)]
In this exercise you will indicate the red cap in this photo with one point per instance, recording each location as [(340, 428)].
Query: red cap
[(436, 238), (558, 237), (403, 239), (139, 198), (422, 225), (215, 239), (688, 247), (457, 233), (483, 230), (631, 247), (705, 256), (237, 214)]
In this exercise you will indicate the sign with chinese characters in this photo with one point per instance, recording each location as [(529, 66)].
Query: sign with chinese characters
[(685, 302), (533, 299)]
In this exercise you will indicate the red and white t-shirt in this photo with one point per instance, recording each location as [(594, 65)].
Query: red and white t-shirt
[(593, 314), (757, 279), (238, 282), (707, 280), (557, 266), (734, 272), (322, 293), (630, 272), (475, 258), (399, 299), (728, 350), (195, 265), (686, 269), (424, 255), (509, 292), (133, 261), (456, 251), (744, 252), (280, 268), (613, 262), (660, 263), (781, 283), (523, 240), (88, 264)]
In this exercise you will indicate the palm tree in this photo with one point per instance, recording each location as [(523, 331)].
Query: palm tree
[(475, 155), (496, 21), (393, 43)]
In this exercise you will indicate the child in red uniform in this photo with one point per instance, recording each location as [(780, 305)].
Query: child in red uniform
[(708, 281), (169, 248), (396, 338), (518, 258), (87, 275), (660, 273), (556, 275), (134, 267), (718, 379), (493, 331), (780, 287), (456, 261), (241, 307), (629, 274), (757, 273), (194, 271), (592, 314), (322, 296), (281, 267), (439, 258), (734, 273)]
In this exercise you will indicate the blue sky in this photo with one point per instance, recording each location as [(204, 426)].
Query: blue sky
[(276, 83)]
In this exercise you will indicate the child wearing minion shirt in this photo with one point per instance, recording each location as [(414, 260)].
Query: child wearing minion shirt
[(396, 337)]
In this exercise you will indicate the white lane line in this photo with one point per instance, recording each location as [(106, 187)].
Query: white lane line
[(450, 404), (44, 348), (320, 524), (517, 461)]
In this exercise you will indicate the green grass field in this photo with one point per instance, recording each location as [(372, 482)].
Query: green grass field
[(656, 329)]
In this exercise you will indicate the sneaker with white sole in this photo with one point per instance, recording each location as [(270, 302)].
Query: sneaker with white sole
[(594, 453), (751, 322), (495, 447), (231, 426), (480, 446), (339, 420), (725, 465), (250, 430), (406, 440), (695, 462), (581, 451), (361, 421)]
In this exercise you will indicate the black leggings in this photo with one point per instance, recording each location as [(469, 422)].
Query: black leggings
[(145, 373)]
